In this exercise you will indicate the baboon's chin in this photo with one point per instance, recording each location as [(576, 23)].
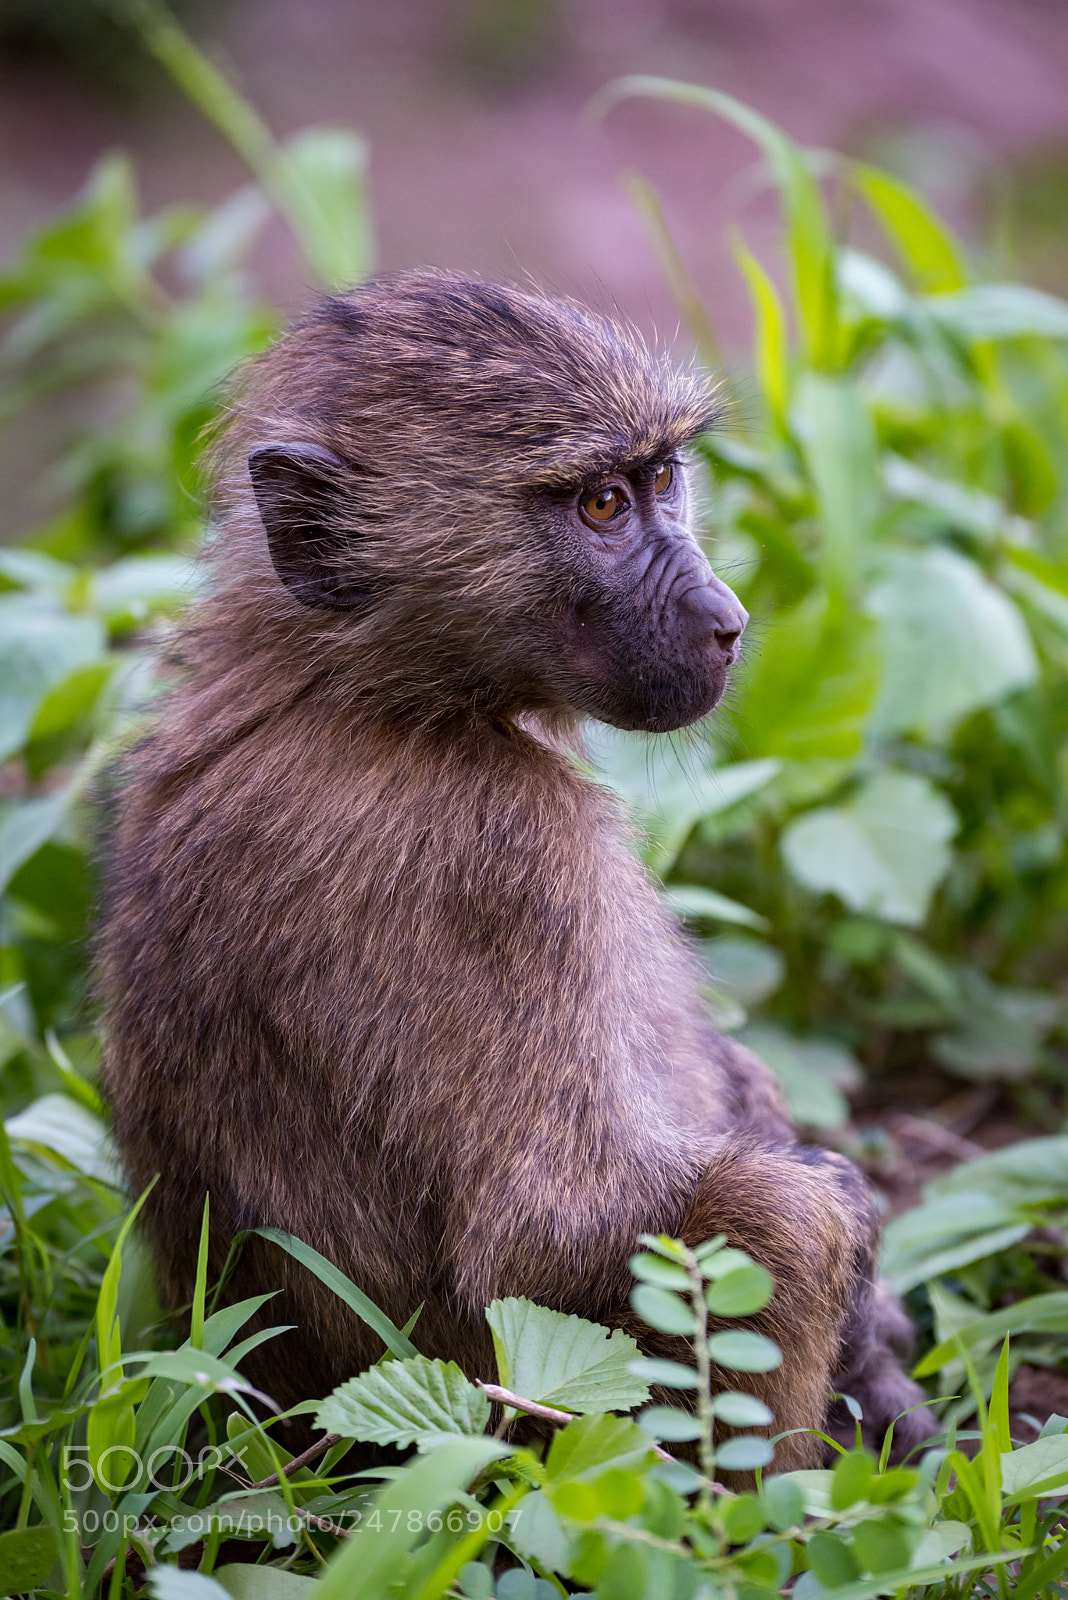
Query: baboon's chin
[(662, 706)]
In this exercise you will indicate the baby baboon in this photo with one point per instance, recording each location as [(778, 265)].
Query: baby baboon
[(377, 963)]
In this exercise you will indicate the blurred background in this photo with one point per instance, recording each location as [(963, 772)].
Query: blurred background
[(481, 158)]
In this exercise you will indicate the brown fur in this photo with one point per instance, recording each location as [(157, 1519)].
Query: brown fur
[(378, 964)]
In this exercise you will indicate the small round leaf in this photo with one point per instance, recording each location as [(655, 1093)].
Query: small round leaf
[(654, 1269), (852, 1479), (741, 1410), (744, 1454), (671, 1374), (744, 1518), (740, 1293), (662, 1310), (743, 1351), (785, 1503), (669, 1422)]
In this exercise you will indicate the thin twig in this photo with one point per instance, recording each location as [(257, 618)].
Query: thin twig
[(935, 1137), (313, 1452), (534, 1408)]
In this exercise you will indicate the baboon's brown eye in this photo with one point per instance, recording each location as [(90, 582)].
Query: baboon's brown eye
[(665, 476), (603, 505)]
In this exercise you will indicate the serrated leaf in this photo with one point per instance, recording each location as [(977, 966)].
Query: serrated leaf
[(563, 1360), (416, 1401), (1044, 1462)]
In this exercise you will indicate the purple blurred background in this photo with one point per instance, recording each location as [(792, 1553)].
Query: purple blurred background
[(481, 158)]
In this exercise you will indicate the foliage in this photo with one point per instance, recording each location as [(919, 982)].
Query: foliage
[(891, 504), (121, 1459), (877, 834)]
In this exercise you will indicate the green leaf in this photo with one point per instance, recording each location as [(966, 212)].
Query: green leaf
[(831, 1559), (810, 688), (688, 901), (563, 1361), (322, 175), (838, 444), (59, 1125), (669, 1422), (784, 1501), (1042, 1313), (741, 1410), (742, 1351), (939, 616), (1001, 311), (812, 1073), (345, 1289), (416, 1401), (671, 1374), (665, 1274), (244, 1582), (663, 1310), (745, 1454), (740, 1293), (366, 1567), (770, 350), (852, 1478), (39, 646), (926, 247), (881, 1546), (27, 1556), (809, 239), (883, 852), (586, 1447), (1035, 1464)]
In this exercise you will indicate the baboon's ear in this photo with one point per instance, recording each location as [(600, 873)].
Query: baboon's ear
[(297, 488)]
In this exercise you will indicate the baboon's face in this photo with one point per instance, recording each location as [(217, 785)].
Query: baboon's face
[(650, 633), (489, 488)]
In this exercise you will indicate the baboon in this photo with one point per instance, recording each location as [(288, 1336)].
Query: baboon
[(378, 964)]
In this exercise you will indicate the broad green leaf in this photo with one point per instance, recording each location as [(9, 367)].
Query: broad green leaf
[(538, 1535), (1001, 1031), (1001, 311), (927, 247), (27, 1556), (810, 688), (244, 1582), (130, 590), (784, 1501), (952, 642), (25, 826), (883, 852), (838, 444), (39, 646), (669, 791), (588, 1446), (1033, 1169), (1042, 1313), (882, 1545), (416, 1401), (812, 1073), (563, 1361), (851, 1479), (671, 1374), (739, 1410), (58, 1124), (1035, 1464), (322, 176), (366, 1567), (740, 1293), (747, 969)]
